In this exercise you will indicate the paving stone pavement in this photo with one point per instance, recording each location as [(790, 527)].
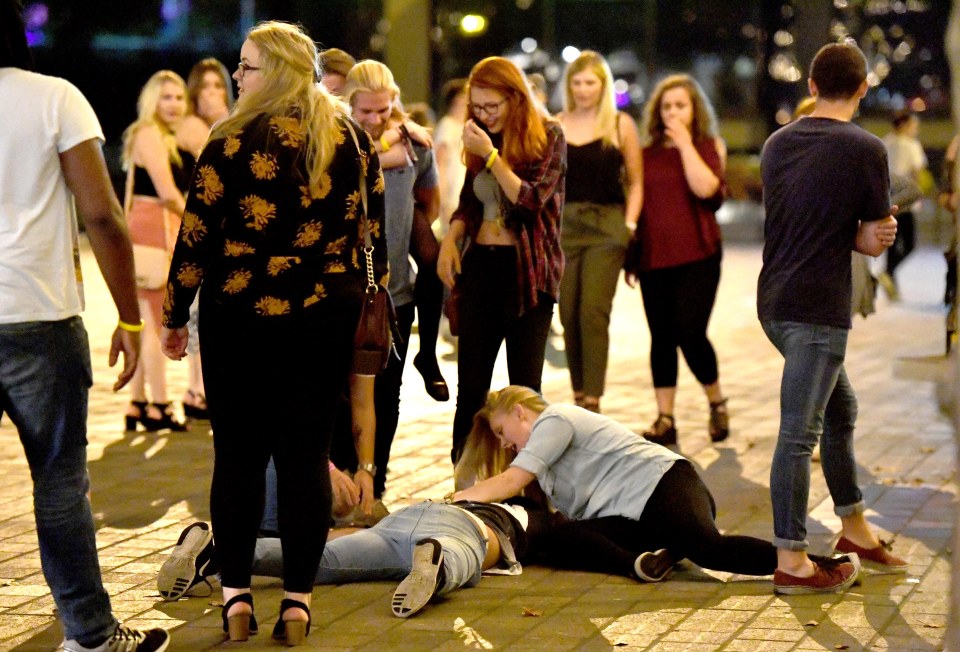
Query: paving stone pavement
[(147, 487)]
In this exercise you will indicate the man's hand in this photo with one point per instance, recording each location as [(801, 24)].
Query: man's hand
[(128, 344)]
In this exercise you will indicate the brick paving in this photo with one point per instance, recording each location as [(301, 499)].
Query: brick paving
[(147, 487)]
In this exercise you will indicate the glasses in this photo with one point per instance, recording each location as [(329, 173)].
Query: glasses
[(244, 68), (490, 108)]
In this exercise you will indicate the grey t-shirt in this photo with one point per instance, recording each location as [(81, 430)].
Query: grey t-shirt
[(591, 466), (400, 184)]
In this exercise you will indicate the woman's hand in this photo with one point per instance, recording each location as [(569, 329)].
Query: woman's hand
[(346, 494), (364, 483), (677, 132), (419, 133), (475, 140), (173, 342), (448, 262)]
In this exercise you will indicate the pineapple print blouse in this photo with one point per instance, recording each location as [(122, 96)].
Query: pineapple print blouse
[(262, 244)]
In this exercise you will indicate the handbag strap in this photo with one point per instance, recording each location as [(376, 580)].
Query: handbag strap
[(367, 240), (128, 205)]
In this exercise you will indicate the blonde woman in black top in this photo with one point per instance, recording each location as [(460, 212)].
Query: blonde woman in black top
[(273, 235), (603, 158)]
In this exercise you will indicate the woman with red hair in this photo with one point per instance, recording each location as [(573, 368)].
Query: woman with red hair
[(502, 252)]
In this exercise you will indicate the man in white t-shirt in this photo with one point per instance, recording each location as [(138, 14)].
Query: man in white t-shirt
[(51, 164)]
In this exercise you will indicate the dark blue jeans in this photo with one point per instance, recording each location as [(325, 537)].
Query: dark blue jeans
[(45, 377), (815, 397)]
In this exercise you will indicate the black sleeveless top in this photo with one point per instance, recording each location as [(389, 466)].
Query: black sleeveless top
[(142, 185), (594, 173)]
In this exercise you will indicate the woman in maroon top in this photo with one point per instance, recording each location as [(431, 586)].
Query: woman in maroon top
[(506, 231), (679, 267)]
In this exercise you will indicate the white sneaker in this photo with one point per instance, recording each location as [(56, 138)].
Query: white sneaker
[(125, 639), (420, 585)]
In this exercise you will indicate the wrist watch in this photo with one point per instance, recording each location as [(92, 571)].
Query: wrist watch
[(369, 467)]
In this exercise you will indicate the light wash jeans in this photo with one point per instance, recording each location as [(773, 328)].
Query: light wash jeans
[(815, 397), (385, 551), (45, 377)]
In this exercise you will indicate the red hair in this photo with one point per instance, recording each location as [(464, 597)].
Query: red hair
[(524, 136)]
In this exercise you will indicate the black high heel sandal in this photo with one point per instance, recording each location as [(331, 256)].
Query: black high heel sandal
[(167, 421), (433, 380), (292, 631), (193, 410), (130, 421), (239, 627)]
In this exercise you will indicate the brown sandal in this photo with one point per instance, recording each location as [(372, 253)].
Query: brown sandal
[(719, 421), (663, 431)]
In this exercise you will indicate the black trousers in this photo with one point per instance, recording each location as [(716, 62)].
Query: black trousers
[(489, 316), (679, 517), (678, 302), (273, 390)]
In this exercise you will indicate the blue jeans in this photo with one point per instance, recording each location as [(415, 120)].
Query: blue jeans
[(385, 551), (45, 377), (815, 397)]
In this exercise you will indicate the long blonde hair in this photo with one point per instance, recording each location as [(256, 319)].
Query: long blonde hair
[(147, 116), (704, 125), (483, 457), (607, 109), (369, 76), (289, 65)]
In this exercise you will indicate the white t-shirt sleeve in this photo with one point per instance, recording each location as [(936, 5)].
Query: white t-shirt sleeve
[(550, 438), (76, 119)]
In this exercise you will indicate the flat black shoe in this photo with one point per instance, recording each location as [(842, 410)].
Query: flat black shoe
[(433, 380)]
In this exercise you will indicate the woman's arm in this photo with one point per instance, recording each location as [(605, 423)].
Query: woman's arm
[(192, 134), (873, 238), (633, 162), (150, 153), (500, 487), (364, 428), (448, 261)]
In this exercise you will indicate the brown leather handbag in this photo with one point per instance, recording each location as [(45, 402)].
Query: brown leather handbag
[(373, 340)]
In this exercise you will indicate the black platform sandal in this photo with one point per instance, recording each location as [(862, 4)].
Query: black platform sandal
[(293, 632), (197, 409), (167, 421), (239, 627), (131, 421)]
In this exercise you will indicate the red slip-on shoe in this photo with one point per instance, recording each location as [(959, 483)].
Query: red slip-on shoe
[(830, 576), (879, 558)]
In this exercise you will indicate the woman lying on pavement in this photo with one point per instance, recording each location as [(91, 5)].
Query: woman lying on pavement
[(639, 496), (434, 548)]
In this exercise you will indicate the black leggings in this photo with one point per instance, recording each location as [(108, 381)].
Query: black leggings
[(274, 391), (679, 517), (678, 302), (428, 291)]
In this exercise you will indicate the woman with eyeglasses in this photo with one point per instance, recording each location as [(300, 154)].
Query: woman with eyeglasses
[(502, 253), (603, 151), (158, 174), (273, 236)]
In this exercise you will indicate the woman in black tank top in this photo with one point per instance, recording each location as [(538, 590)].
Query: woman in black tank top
[(603, 157)]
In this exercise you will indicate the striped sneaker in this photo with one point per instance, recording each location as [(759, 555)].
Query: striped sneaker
[(190, 563)]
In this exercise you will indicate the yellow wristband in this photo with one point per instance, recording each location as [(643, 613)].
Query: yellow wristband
[(384, 145), (130, 328), (492, 158)]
